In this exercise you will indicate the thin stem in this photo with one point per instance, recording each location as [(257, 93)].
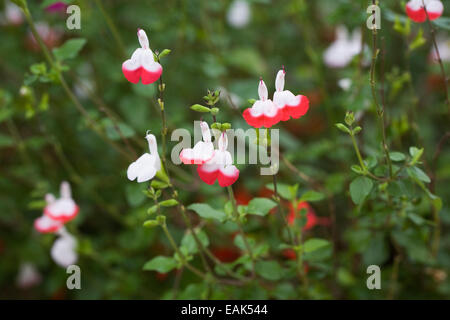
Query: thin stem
[(241, 230), (380, 110), (112, 27), (441, 65)]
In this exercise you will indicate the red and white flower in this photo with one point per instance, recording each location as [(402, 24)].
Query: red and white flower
[(416, 12), (142, 64), (146, 167), (44, 224), (202, 152), (63, 251), (263, 113), (287, 103), (63, 209), (220, 167)]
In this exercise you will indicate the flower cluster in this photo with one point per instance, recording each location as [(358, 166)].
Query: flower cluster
[(266, 113), (58, 212)]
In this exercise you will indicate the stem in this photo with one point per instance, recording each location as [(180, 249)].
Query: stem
[(241, 230), (66, 88), (112, 27), (380, 110), (441, 65)]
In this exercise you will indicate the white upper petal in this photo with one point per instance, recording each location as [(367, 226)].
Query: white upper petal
[(143, 168), (262, 90), (279, 81), (143, 39)]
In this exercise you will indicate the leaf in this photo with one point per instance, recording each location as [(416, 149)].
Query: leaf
[(282, 189), (169, 203), (270, 270), (415, 154), (311, 196), (417, 173), (360, 189), (397, 156), (161, 264), (260, 206), (189, 243), (205, 211), (314, 244), (239, 242), (69, 49), (342, 127), (200, 108)]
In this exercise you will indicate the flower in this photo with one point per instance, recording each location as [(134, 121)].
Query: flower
[(341, 52), (220, 167), (416, 12), (146, 167), (238, 15), (12, 15), (142, 64), (63, 209), (63, 251), (288, 105), (202, 152), (226, 254), (28, 276), (50, 36), (443, 44), (311, 218), (44, 224), (263, 113), (58, 6)]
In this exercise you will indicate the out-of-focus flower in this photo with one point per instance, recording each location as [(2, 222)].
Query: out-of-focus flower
[(58, 6), (239, 14), (263, 113), (287, 103), (50, 36), (345, 84), (242, 196), (444, 49), (12, 15), (63, 251), (312, 219), (416, 11), (341, 52), (220, 167), (28, 276), (226, 254), (44, 224), (63, 209), (142, 64), (202, 152), (146, 167)]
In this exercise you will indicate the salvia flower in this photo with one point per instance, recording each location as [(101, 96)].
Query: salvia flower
[(416, 12), (287, 103), (44, 224), (63, 251), (263, 113), (146, 167), (202, 152), (341, 52), (142, 64), (63, 209), (239, 13), (220, 167), (12, 15), (28, 276)]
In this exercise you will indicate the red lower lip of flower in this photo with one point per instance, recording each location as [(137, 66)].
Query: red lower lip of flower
[(210, 177), (142, 74), (53, 228), (65, 217), (262, 120), (225, 254)]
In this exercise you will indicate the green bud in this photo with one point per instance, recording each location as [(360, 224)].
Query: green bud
[(159, 184), (169, 203), (216, 125), (357, 130), (342, 127), (152, 209), (349, 118), (164, 53), (226, 126), (200, 108), (161, 220), (214, 111), (151, 223)]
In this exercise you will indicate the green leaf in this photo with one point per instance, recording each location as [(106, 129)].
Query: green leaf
[(270, 270), (205, 211), (282, 189), (343, 127), (161, 264), (260, 206), (168, 203), (153, 209), (314, 244), (200, 108), (239, 242), (164, 53), (151, 223), (397, 156), (69, 49), (360, 189), (159, 184), (311, 196), (415, 154), (417, 173), (189, 243)]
